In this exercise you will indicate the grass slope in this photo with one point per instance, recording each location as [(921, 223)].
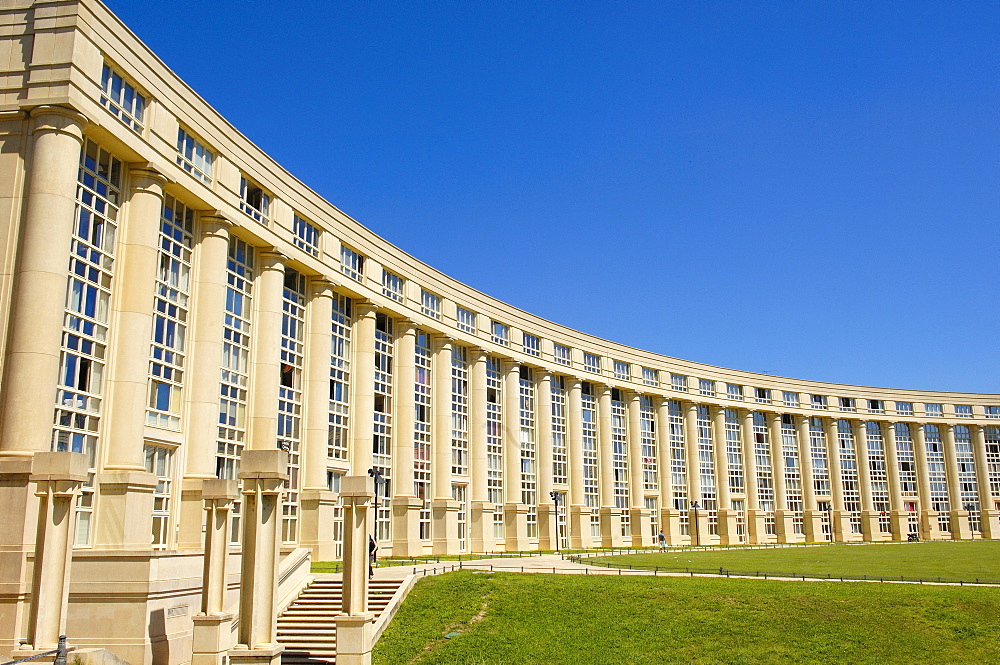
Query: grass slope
[(505, 618), (965, 560)]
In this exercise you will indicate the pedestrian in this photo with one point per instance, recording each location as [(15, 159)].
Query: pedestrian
[(662, 540), (372, 549)]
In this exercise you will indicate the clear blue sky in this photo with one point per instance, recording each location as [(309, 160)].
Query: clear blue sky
[(809, 189)]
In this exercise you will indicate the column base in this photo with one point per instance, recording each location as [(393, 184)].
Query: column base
[(515, 527), (871, 531), (900, 521), (728, 532), (444, 527), (191, 524), (125, 501), (264, 654), (783, 527), (840, 525), (316, 518), (611, 527), (991, 524), (355, 638), (928, 521), (812, 526), (756, 529), (960, 529), (670, 524), (579, 527), (546, 513), (641, 525), (211, 638), (698, 527), (406, 526), (483, 539)]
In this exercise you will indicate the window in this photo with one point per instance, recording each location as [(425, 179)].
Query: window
[(159, 462), (963, 411), (430, 304), (306, 236), (818, 401), (352, 264), (253, 201), (194, 157), (560, 354), (392, 285), (122, 99), (466, 320), (992, 412), (650, 377), (499, 333), (789, 398), (904, 408), (706, 387), (734, 391), (762, 395), (847, 403), (679, 382), (532, 345), (621, 370), (592, 363), (933, 410), (876, 406)]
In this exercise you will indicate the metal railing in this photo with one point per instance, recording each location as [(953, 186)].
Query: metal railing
[(59, 652)]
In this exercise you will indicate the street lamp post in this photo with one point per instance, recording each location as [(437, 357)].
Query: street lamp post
[(833, 526), (969, 507), (697, 528), (555, 499)]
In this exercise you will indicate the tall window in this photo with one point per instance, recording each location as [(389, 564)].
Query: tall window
[(619, 456), (430, 304), (937, 476), (879, 475), (793, 470), (820, 462), (170, 316), (560, 354), (592, 363), (422, 430), (494, 443), (499, 333), (527, 440), (382, 434), (678, 465), (558, 388), (734, 452), (906, 459), (848, 459), (85, 319), (159, 462), (764, 470), (235, 366), (465, 320), (459, 411), (647, 438), (122, 99), (706, 468), (352, 263), (340, 378), (293, 321), (392, 285), (532, 345), (967, 481), (305, 235), (992, 437), (194, 157), (588, 432), (254, 201)]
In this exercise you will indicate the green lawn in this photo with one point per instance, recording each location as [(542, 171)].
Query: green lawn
[(515, 619), (966, 560)]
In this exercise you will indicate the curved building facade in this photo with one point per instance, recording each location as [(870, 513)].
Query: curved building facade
[(172, 299)]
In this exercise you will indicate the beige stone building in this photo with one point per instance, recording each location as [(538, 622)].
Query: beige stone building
[(172, 300)]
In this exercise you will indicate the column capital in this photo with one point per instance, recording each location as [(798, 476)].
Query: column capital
[(215, 222), (272, 259), (59, 119), (323, 287), (145, 177)]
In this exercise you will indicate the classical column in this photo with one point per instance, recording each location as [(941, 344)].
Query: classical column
[(870, 528), (405, 503), (212, 635), (727, 516), (579, 512), (840, 519), (899, 519), (543, 462), (782, 515), (756, 530), (265, 375), (989, 515), (362, 387), (482, 508), (928, 521), (317, 502), (611, 517), (443, 508), (812, 519), (515, 511), (355, 634), (263, 473), (39, 294), (124, 486), (205, 333), (960, 529), (639, 517), (58, 477)]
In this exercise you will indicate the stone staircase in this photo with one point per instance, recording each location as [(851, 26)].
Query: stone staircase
[(307, 628)]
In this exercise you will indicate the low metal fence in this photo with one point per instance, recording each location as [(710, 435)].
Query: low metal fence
[(59, 652)]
